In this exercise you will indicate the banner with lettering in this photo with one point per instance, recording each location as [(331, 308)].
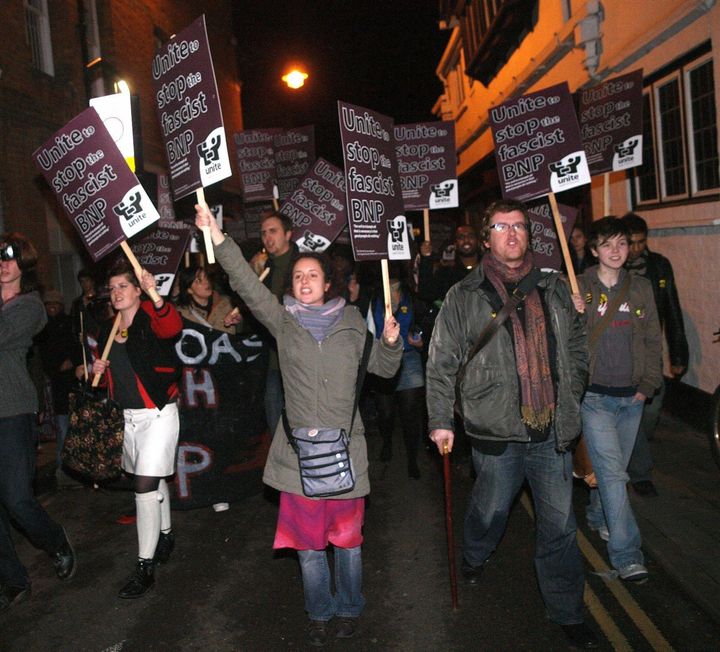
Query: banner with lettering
[(188, 107), (611, 123), (255, 149), (160, 251), (116, 113), (538, 148), (94, 185), (294, 157), (223, 437), (545, 245), (378, 227), (317, 207), (427, 164)]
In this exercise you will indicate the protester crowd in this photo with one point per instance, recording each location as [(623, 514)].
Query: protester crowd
[(491, 356)]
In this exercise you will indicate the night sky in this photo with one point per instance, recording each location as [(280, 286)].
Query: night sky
[(381, 55)]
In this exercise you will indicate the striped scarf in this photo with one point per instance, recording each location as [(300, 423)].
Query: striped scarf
[(319, 320), (537, 399)]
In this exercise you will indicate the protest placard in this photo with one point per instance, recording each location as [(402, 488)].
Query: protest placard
[(538, 148), (378, 228), (317, 207), (294, 157), (255, 149), (189, 112), (160, 251), (427, 164), (611, 123), (94, 185), (116, 113), (547, 252)]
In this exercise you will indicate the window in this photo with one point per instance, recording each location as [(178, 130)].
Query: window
[(37, 32), (680, 141)]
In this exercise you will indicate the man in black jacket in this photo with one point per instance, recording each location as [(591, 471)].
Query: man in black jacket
[(659, 271)]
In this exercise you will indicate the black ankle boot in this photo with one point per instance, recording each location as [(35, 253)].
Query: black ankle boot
[(141, 581), (165, 546)]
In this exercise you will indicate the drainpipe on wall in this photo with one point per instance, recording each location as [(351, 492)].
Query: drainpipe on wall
[(589, 37)]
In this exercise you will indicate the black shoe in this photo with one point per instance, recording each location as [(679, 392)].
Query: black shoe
[(10, 595), (317, 634), (164, 548), (346, 627), (581, 636), (645, 488), (141, 582), (64, 561), (471, 574)]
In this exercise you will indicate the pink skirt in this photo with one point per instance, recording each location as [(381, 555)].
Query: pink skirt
[(306, 524)]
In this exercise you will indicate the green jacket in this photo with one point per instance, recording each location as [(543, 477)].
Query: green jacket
[(646, 333), (490, 389), (318, 377)]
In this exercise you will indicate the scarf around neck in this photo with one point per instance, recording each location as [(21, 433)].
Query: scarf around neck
[(537, 395), (319, 320)]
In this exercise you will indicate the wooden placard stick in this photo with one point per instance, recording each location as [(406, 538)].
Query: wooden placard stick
[(606, 194), (426, 224), (82, 346), (563, 243), (152, 292), (108, 345), (264, 274), (186, 259), (209, 251), (386, 288), (276, 198)]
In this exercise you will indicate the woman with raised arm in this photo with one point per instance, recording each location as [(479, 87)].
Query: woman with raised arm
[(320, 344), (142, 372)]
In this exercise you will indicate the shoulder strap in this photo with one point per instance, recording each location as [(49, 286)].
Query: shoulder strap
[(599, 328), (525, 287), (362, 369)]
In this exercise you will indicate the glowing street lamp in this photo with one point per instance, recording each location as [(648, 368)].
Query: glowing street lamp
[(295, 78)]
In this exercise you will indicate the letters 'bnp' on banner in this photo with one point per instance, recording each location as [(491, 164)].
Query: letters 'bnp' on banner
[(255, 149), (378, 228), (427, 164), (611, 123), (538, 149), (545, 245), (189, 111), (160, 250), (93, 183), (317, 207)]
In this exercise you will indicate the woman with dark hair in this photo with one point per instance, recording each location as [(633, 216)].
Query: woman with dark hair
[(402, 394), (141, 374), (22, 316), (320, 343), (200, 303)]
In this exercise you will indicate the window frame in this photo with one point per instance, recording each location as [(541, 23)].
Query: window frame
[(42, 60)]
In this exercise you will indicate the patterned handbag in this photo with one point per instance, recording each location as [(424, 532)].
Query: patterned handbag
[(94, 441)]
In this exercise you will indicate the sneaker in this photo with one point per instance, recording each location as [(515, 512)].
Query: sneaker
[(10, 595), (346, 627), (64, 561), (317, 634), (636, 573), (602, 531)]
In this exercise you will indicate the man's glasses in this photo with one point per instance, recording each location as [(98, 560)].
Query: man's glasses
[(9, 252), (502, 227)]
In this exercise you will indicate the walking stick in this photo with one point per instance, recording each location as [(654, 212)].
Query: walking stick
[(449, 526)]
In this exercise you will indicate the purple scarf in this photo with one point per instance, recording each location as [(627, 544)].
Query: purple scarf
[(319, 320)]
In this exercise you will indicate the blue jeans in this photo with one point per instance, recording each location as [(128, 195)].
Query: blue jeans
[(320, 603), (641, 464), (558, 563), (610, 425), (62, 421), (17, 501)]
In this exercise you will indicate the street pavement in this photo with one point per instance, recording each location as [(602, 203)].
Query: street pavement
[(225, 589)]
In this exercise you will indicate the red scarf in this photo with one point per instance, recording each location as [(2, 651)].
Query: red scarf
[(537, 396)]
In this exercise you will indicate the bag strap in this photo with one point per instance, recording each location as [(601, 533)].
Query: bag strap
[(362, 369), (599, 328), (519, 294)]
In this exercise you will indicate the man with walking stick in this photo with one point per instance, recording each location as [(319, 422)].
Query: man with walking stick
[(510, 339)]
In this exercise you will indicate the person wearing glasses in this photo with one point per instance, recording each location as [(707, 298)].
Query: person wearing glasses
[(520, 399), (22, 316)]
